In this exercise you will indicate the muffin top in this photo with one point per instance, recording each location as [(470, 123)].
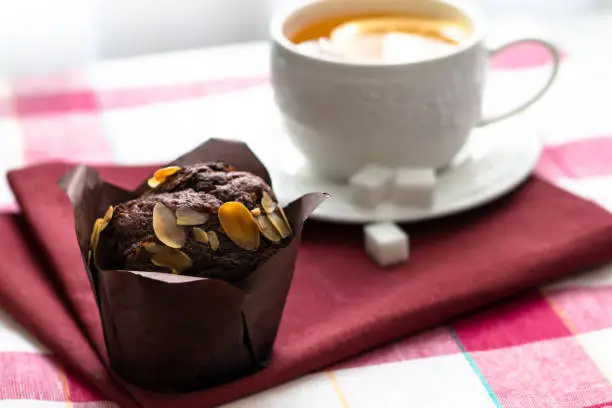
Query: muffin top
[(205, 220)]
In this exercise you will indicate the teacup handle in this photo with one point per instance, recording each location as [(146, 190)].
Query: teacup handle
[(556, 59)]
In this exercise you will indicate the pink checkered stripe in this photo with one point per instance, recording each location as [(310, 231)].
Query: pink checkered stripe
[(542, 350), (21, 373)]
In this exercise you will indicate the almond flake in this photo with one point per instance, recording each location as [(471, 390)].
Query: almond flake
[(171, 258), (95, 233), (267, 229), (109, 214), (165, 227), (287, 223), (103, 222), (213, 240), (200, 235), (189, 216), (283, 229), (152, 247), (94, 239), (161, 175), (153, 182), (267, 203), (239, 225)]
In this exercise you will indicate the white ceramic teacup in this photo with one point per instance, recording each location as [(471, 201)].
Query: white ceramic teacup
[(343, 115)]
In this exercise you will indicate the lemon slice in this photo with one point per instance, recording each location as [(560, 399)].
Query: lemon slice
[(442, 30)]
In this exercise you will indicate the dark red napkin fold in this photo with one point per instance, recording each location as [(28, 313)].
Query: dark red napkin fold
[(340, 303), (27, 292)]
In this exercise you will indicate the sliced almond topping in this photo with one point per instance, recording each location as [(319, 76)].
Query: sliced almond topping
[(109, 214), (152, 182), (213, 240), (287, 223), (165, 227), (95, 233), (175, 260), (104, 221), (200, 235), (103, 226), (161, 175), (267, 229), (267, 203), (256, 212), (239, 225), (189, 216), (152, 247), (165, 172), (94, 239), (283, 229)]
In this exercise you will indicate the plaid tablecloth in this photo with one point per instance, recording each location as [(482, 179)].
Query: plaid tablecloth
[(549, 348)]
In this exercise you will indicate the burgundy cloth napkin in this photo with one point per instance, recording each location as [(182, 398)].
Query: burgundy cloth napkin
[(28, 293), (340, 303)]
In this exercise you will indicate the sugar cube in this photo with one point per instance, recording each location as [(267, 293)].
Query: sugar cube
[(386, 243), (371, 185), (414, 187)]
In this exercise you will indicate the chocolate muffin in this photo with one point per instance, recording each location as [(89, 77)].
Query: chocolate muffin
[(206, 220)]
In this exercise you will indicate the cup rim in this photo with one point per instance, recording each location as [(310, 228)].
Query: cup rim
[(470, 11)]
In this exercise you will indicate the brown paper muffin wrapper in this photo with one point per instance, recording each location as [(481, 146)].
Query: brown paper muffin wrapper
[(180, 333)]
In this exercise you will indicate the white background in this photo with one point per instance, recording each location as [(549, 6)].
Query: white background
[(46, 35)]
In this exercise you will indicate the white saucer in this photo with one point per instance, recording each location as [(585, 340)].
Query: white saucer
[(496, 159)]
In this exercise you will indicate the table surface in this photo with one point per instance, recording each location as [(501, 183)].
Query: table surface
[(550, 348)]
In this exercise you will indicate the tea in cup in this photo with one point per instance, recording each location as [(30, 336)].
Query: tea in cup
[(395, 82)]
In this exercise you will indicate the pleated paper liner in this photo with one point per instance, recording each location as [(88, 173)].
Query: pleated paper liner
[(179, 333)]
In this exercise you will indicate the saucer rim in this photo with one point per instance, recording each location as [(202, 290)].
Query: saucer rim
[(535, 148)]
